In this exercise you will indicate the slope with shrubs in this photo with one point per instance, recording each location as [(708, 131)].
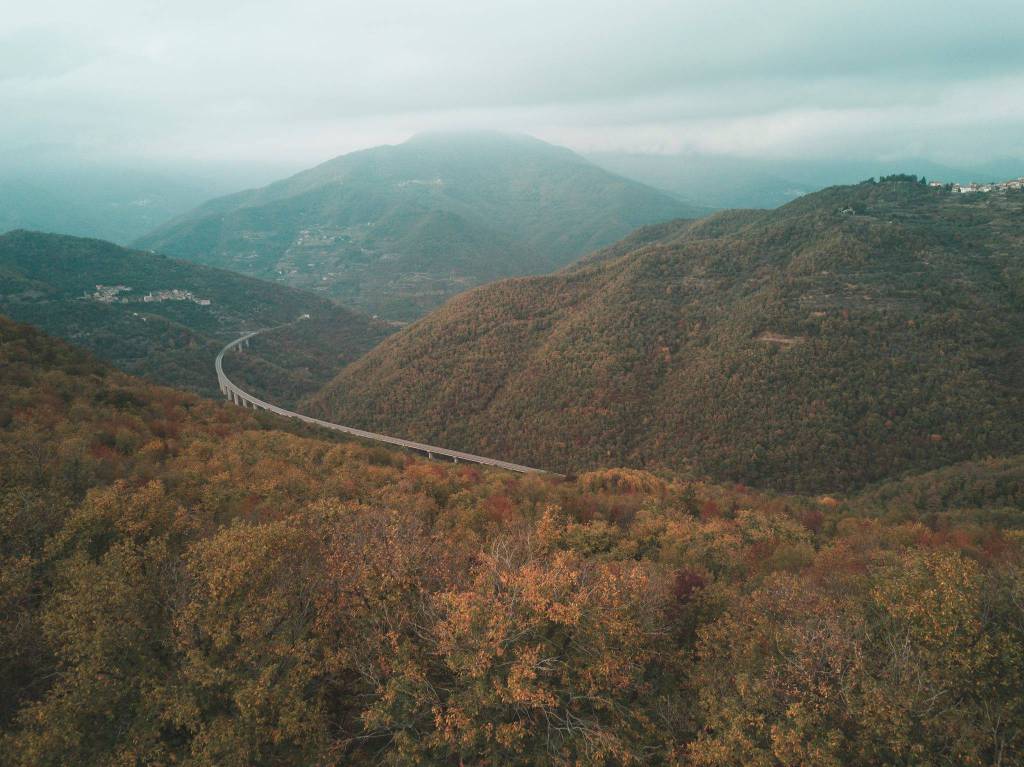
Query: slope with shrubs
[(846, 338), (183, 582)]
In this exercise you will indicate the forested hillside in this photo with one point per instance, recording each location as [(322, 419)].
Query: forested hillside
[(398, 229), (851, 336), (94, 294), (186, 582)]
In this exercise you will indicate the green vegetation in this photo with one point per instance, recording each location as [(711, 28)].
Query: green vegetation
[(183, 582), (849, 337), (976, 492), (46, 280), (396, 230), (909, 178)]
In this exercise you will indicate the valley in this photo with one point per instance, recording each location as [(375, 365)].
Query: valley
[(819, 336), (166, 319), (768, 437), (167, 552), (512, 384), (242, 398)]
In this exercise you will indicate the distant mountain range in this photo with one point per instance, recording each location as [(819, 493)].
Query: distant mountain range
[(723, 181), (850, 336), (166, 319), (107, 203), (397, 230)]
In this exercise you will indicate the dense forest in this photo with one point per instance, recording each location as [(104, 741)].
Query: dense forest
[(849, 337), (183, 582), (396, 230), (51, 281)]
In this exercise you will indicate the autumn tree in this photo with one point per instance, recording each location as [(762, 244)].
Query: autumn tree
[(545, 659)]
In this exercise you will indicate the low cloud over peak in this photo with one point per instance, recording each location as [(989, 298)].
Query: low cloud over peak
[(245, 81)]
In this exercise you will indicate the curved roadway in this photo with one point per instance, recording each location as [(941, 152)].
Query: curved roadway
[(244, 399)]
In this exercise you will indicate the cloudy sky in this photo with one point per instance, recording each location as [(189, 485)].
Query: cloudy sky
[(298, 81)]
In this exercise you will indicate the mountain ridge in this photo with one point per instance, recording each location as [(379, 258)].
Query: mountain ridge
[(849, 336), (495, 205), (94, 293)]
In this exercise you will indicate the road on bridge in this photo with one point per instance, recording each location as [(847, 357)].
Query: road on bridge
[(242, 398)]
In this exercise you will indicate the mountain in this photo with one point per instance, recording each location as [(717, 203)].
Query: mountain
[(720, 182), (398, 229), (94, 294), (24, 205), (847, 337), (184, 582), (725, 181)]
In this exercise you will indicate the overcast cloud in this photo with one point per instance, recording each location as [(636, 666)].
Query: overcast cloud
[(303, 80)]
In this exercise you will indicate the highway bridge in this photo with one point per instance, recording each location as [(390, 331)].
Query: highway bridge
[(242, 398)]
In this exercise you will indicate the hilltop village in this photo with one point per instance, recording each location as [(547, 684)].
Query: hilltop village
[(1002, 186), (111, 294)]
